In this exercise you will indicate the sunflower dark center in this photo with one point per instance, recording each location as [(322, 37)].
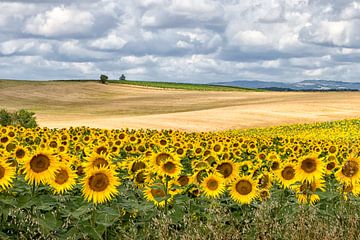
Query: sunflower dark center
[(183, 180), (161, 158), (244, 187), (330, 166), (225, 169), (39, 163), (101, 149), (158, 193), (100, 162), (180, 151), (200, 176), (53, 144), (140, 177), (217, 148), (264, 194), (264, 181), (137, 166), (212, 184), (332, 149), (275, 166), (308, 165), (288, 173), (169, 167), (80, 171), (2, 172), (98, 182), (61, 177), (20, 153), (350, 168)]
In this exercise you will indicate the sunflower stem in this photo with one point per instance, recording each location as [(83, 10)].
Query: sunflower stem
[(33, 189), (166, 194)]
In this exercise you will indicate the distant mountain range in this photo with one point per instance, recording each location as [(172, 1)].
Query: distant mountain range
[(306, 85)]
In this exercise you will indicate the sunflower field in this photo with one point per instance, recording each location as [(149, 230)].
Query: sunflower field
[(265, 183)]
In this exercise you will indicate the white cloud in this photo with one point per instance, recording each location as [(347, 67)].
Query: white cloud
[(314, 72), (351, 11), (250, 38), (60, 21), (25, 47), (111, 42), (337, 33)]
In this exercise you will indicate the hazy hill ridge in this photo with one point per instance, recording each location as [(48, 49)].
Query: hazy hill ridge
[(324, 85)]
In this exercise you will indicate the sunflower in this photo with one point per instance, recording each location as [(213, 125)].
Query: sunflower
[(310, 168), (183, 180), (141, 178), (264, 194), (349, 172), (275, 165), (96, 160), (265, 181), (306, 192), (155, 194), (244, 190), (213, 186), (331, 164), (64, 180), (333, 149), (7, 173), (170, 168), (228, 169), (100, 185), (287, 175), (246, 167), (40, 167), (180, 151), (199, 164), (350, 188), (302, 198), (101, 149), (136, 165), (217, 147), (158, 158), (20, 153)]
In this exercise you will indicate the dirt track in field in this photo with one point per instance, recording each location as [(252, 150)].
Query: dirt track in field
[(64, 104)]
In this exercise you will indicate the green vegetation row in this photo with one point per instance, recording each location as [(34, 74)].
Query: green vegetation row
[(185, 86)]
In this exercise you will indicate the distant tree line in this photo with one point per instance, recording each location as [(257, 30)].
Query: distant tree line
[(104, 78)]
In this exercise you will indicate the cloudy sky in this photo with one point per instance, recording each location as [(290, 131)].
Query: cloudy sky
[(181, 40)]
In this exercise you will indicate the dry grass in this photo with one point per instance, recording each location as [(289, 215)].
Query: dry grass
[(64, 104)]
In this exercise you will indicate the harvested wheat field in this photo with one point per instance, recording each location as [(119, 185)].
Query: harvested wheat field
[(65, 104)]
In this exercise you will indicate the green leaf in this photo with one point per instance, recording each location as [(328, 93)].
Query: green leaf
[(48, 223), (107, 217), (9, 200), (92, 232), (77, 213), (3, 236)]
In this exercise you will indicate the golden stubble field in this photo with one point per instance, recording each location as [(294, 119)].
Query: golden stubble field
[(65, 104)]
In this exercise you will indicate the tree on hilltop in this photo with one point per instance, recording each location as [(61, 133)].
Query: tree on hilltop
[(122, 78), (103, 78)]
